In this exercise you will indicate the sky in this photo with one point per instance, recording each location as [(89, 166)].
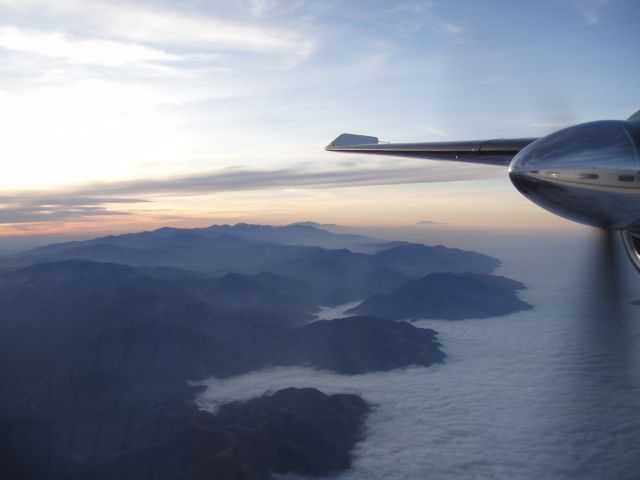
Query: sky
[(120, 116)]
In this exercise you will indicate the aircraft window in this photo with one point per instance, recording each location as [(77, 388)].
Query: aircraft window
[(589, 176)]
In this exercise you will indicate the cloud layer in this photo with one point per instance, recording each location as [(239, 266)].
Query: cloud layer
[(98, 199), (534, 395)]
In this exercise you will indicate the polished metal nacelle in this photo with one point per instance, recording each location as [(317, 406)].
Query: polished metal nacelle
[(588, 173)]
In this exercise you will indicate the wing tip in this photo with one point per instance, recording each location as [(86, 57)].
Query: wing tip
[(351, 140)]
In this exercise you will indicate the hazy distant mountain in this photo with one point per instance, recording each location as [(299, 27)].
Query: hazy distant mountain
[(335, 275), (340, 276), (415, 260), (451, 296), (302, 233), (215, 254), (218, 249)]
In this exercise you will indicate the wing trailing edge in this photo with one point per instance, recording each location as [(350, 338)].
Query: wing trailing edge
[(489, 152)]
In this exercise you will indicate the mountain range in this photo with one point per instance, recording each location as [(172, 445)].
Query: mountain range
[(101, 339)]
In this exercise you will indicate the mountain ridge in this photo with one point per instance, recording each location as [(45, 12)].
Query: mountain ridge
[(449, 296)]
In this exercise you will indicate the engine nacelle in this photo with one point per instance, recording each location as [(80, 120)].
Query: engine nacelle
[(589, 173)]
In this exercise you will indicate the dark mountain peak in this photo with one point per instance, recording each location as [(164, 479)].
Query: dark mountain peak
[(362, 344), (299, 393), (294, 400), (450, 296), (158, 232), (403, 248), (417, 260), (297, 431), (39, 293)]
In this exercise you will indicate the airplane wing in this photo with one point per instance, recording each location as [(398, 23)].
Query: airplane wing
[(483, 152)]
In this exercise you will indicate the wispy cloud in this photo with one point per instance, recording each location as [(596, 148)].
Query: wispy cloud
[(262, 7), (39, 214), (171, 28), (432, 130), (591, 10), (51, 208), (413, 7), (452, 28), (204, 32), (420, 14), (92, 52), (429, 222), (97, 198), (233, 179)]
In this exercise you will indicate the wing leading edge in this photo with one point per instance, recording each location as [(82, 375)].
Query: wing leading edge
[(486, 152)]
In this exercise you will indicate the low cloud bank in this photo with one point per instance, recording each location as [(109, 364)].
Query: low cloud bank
[(97, 199), (537, 394)]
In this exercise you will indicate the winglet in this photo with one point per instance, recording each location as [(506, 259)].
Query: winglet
[(350, 140)]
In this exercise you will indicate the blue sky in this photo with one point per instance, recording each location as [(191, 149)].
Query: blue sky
[(118, 114)]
